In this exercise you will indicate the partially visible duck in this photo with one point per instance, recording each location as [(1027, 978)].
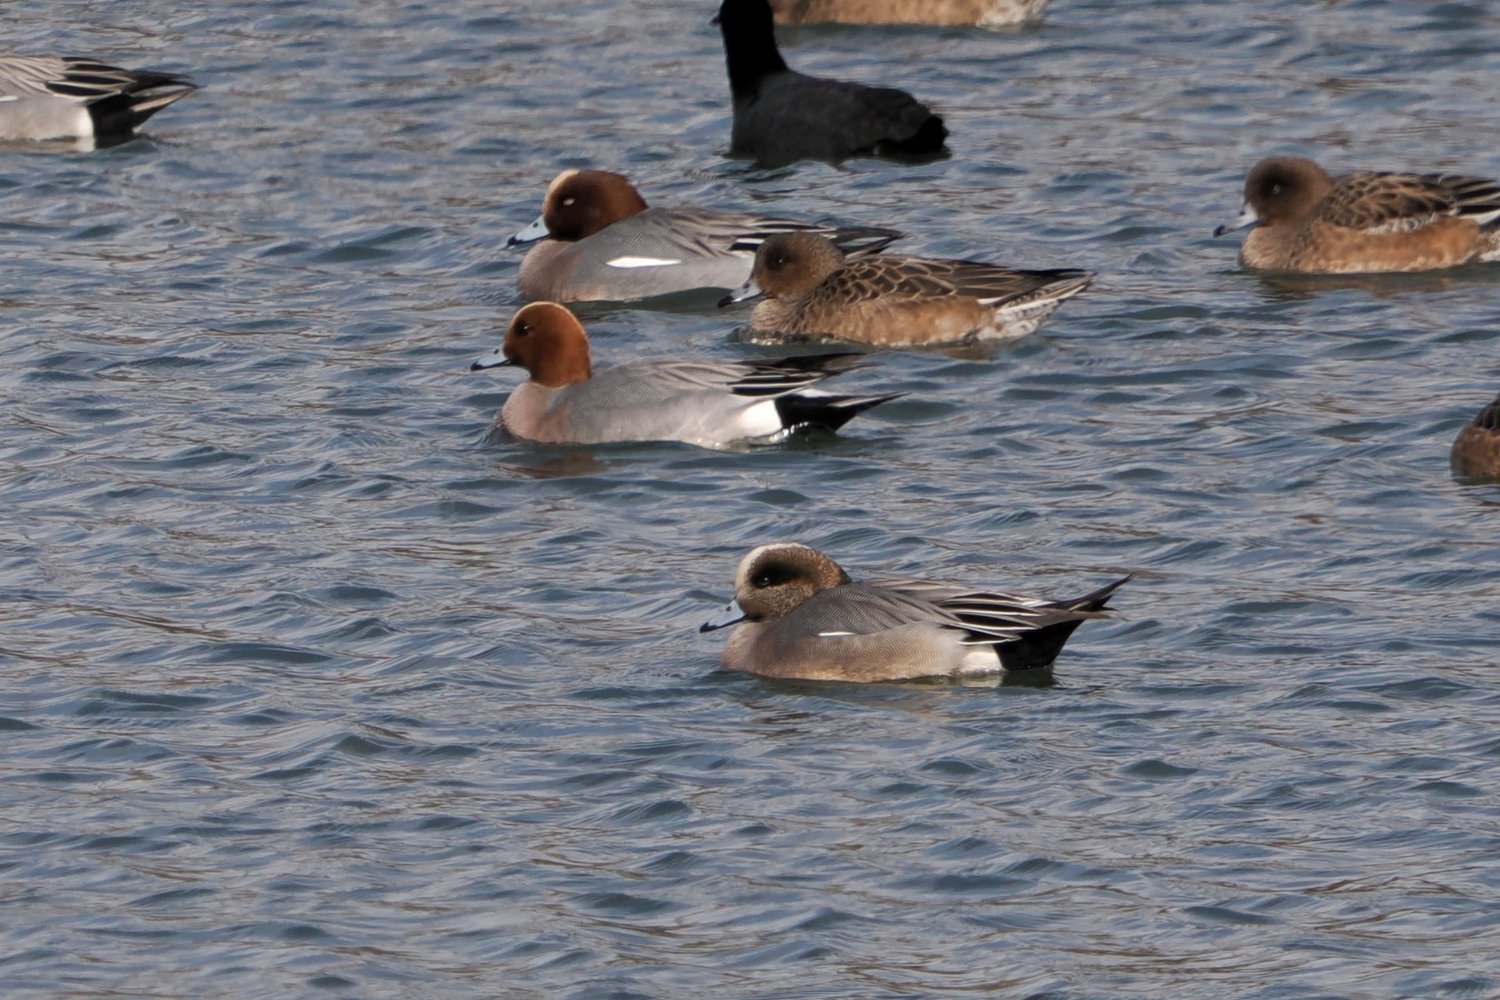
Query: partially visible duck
[(985, 13), (799, 615), (713, 404), (66, 97), (1366, 221), (1476, 450), (781, 116), (813, 292), (604, 244)]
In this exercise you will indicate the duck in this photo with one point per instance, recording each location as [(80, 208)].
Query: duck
[(600, 241), (46, 97), (984, 13), (1309, 222), (782, 116), (712, 404), (797, 614), (812, 291), (1476, 450)]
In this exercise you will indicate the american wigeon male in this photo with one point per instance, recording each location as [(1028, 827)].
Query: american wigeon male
[(713, 404), (66, 97), (813, 292), (601, 242), (985, 13), (799, 615), (781, 116), (1476, 450), (1367, 221)]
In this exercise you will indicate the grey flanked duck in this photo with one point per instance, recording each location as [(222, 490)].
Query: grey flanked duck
[(797, 614)]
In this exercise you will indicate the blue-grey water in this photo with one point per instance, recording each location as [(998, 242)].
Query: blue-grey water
[(308, 688)]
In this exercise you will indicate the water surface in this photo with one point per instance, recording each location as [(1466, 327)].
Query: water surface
[(310, 689)]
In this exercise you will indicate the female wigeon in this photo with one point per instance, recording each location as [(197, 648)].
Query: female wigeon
[(713, 404), (605, 244), (799, 615), (814, 293), (65, 97), (986, 13), (781, 116), (1365, 221), (1476, 450)]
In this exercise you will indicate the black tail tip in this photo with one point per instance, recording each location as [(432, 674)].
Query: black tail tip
[(829, 413), (1096, 600)]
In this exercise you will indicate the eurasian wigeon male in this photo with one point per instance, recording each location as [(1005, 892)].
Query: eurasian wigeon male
[(813, 292), (781, 116), (67, 97), (1367, 221), (713, 404), (797, 614), (601, 242), (985, 13), (1476, 450)]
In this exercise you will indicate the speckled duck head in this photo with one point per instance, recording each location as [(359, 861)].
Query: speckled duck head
[(774, 579)]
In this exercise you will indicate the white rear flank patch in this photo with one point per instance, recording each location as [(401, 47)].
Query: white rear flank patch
[(760, 421), (641, 262), (980, 661), (831, 635)]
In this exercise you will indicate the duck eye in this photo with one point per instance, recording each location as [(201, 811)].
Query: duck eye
[(522, 329), (762, 581), (1275, 188), (568, 202)]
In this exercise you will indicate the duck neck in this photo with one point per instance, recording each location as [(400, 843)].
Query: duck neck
[(749, 44)]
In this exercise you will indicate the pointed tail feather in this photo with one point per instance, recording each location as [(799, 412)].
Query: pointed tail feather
[(1096, 600), (1039, 648), (147, 105), (861, 241), (122, 114), (803, 410)]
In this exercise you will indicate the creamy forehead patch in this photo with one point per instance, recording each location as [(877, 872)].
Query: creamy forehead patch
[(560, 179)]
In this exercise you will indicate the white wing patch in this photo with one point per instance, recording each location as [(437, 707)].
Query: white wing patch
[(831, 635), (628, 262)]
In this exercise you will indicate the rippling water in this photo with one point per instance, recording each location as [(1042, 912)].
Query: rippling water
[(310, 689)]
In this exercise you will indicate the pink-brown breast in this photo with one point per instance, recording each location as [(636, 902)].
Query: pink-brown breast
[(1317, 247), (1476, 452), (911, 651), (879, 322), (546, 270)]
